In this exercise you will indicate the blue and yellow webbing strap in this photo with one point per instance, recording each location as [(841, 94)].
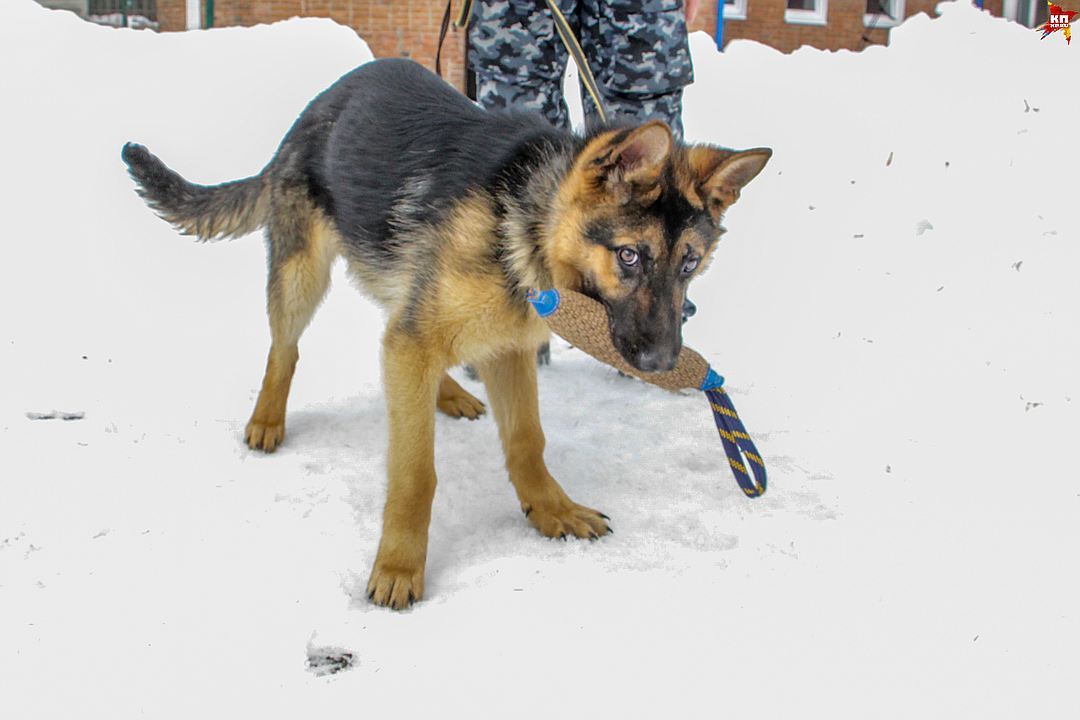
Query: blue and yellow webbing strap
[(743, 456)]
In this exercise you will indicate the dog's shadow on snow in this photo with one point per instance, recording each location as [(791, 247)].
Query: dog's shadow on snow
[(649, 459), (475, 512)]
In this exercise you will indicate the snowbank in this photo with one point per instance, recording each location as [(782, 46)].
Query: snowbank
[(894, 306)]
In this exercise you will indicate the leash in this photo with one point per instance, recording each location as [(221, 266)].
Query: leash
[(562, 27), (566, 34), (582, 322), (461, 23)]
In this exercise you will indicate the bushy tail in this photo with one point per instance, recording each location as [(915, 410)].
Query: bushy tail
[(210, 212)]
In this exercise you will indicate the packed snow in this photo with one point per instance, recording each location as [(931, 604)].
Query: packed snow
[(894, 306)]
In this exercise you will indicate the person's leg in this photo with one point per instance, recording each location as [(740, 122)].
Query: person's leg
[(495, 92), (518, 58), (639, 52), (639, 108)]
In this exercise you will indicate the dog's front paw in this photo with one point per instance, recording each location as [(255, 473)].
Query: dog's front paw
[(560, 520), (395, 587), (264, 436)]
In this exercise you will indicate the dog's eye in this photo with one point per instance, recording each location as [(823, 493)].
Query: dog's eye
[(628, 256), (690, 265)]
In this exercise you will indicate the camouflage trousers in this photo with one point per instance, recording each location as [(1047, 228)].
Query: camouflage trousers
[(637, 50)]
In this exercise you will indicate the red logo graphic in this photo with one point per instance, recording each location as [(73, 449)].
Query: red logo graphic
[(1058, 19)]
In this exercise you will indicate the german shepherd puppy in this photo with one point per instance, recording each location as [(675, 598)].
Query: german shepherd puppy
[(446, 215)]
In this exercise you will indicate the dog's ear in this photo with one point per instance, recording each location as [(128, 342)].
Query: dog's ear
[(627, 165), (720, 174)]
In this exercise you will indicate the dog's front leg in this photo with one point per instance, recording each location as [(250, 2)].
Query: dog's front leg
[(411, 375), (511, 386)]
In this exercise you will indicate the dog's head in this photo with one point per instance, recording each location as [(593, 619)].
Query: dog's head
[(639, 217)]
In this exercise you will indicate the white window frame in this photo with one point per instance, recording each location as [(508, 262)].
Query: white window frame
[(878, 20), (735, 11), (818, 16), (191, 10)]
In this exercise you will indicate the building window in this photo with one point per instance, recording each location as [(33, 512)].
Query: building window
[(735, 9), (807, 12), (122, 13), (883, 13)]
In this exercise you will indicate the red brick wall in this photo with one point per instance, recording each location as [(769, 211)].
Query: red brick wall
[(410, 28), (393, 28), (706, 17), (845, 29), (172, 14)]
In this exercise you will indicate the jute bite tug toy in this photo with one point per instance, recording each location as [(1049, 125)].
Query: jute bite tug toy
[(583, 323)]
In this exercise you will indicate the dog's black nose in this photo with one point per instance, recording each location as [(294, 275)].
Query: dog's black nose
[(689, 309), (656, 360)]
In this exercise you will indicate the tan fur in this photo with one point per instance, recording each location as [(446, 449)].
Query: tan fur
[(454, 401), (719, 175), (607, 175), (468, 316), (411, 373), (294, 291), (467, 321)]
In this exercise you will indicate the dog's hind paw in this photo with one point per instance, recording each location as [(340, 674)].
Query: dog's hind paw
[(465, 406), (455, 401), (264, 436)]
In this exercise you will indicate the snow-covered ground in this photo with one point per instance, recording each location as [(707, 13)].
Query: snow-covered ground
[(895, 307)]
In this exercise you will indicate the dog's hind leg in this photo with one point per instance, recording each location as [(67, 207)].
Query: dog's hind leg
[(456, 401), (302, 249)]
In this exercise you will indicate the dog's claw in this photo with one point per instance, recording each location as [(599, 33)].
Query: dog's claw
[(265, 436), (455, 401), (395, 588), (562, 521)]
